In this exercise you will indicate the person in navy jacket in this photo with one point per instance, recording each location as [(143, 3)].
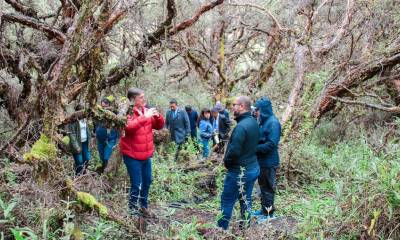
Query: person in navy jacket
[(267, 156)]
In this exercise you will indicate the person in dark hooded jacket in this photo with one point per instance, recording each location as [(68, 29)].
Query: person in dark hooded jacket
[(267, 156)]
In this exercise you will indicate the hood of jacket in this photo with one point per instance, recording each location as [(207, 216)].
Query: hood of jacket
[(265, 107)]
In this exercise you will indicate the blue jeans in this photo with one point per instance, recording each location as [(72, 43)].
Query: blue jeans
[(105, 149), (206, 149), (82, 159), (140, 174), (232, 193)]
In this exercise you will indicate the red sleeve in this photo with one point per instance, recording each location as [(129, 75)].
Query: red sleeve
[(158, 122), (134, 123)]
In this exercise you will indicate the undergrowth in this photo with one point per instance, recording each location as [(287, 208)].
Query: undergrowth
[(352, 191)]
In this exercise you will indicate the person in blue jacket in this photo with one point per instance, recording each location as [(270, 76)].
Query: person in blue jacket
[(106, 138), (206, 130), (267, 156)]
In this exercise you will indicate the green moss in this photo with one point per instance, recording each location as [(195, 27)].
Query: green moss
[(42, 149), (66, 140), (110, 98), (69, 184), (77, 234), (90, 201)]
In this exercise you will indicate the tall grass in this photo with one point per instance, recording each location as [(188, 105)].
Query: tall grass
[(354, 191)]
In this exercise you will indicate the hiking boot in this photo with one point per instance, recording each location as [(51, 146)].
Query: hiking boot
[(146, 213), (265, 218), (257, 213)]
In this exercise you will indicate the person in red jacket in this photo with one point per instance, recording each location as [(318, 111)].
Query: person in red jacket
[(137, 147)]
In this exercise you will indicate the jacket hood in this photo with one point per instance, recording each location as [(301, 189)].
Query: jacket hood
[(265, 108)]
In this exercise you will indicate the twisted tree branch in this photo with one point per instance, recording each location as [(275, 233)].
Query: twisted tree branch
[(19, 7), (51, 32)]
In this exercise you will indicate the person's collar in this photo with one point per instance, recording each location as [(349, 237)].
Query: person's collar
[(243, 115), (140, 110)]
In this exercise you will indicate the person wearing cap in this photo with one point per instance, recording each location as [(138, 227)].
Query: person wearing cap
[(178, 124), (106, 137), (221, 109), (193, 116), (137, 148), (267, 156)]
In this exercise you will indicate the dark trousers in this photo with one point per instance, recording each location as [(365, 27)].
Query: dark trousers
[(237, 186), (82, 159), (267, 182), (140, 174), (178, 149), (193, 133)]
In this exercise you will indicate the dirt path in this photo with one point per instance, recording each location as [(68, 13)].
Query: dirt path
[(203, 221)]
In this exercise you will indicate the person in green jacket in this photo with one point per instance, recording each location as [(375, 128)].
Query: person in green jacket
[(79, 138)]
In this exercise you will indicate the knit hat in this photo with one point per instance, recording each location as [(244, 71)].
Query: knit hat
[(218, 106)]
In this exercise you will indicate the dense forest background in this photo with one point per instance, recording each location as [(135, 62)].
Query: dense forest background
[(330, 67)]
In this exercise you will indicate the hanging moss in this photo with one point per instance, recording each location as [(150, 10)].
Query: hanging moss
[(111, 118), (43, 149), (90, 201)]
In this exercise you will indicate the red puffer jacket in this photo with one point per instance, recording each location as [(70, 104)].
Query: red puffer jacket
[(138, 140)]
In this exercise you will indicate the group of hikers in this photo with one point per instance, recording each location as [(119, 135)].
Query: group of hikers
[(213, 124), (250, 150)]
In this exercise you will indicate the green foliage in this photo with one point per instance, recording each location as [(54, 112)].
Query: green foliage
[(187, 231), (188, 151), (9, 175), (317, 80), (68, 226), (7, 208), (100, 231), (24, 234), (169, 177), (169, 181), (350, 184)]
